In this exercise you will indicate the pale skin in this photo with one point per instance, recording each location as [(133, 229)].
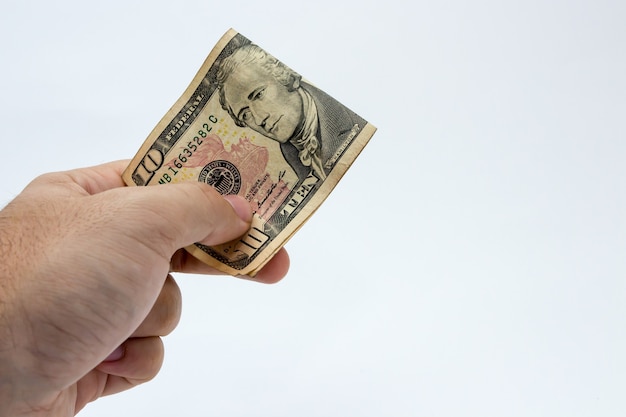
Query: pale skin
[(85, 285)]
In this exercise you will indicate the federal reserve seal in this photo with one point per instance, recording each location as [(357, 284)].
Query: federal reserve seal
[(221, 175)]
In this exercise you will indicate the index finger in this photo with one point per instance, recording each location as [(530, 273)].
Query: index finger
[(275, 269)]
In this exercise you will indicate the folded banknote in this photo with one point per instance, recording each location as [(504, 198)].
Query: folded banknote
[(249, 125)]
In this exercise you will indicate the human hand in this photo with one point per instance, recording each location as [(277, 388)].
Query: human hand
[(85, 290)]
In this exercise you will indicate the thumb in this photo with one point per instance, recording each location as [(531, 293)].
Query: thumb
[(169, 217)]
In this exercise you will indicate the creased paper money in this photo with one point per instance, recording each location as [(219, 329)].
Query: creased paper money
[(249, 125)]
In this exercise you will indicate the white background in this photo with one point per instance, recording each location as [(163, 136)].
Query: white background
[(471, 263)]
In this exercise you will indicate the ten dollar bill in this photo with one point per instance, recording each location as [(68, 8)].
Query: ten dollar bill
[(249, 125)]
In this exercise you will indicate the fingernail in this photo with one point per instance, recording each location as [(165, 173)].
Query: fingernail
[(116, 355), (241, 206)]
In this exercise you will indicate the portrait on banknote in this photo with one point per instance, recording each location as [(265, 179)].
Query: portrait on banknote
[(262, 93), (249, 125)]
